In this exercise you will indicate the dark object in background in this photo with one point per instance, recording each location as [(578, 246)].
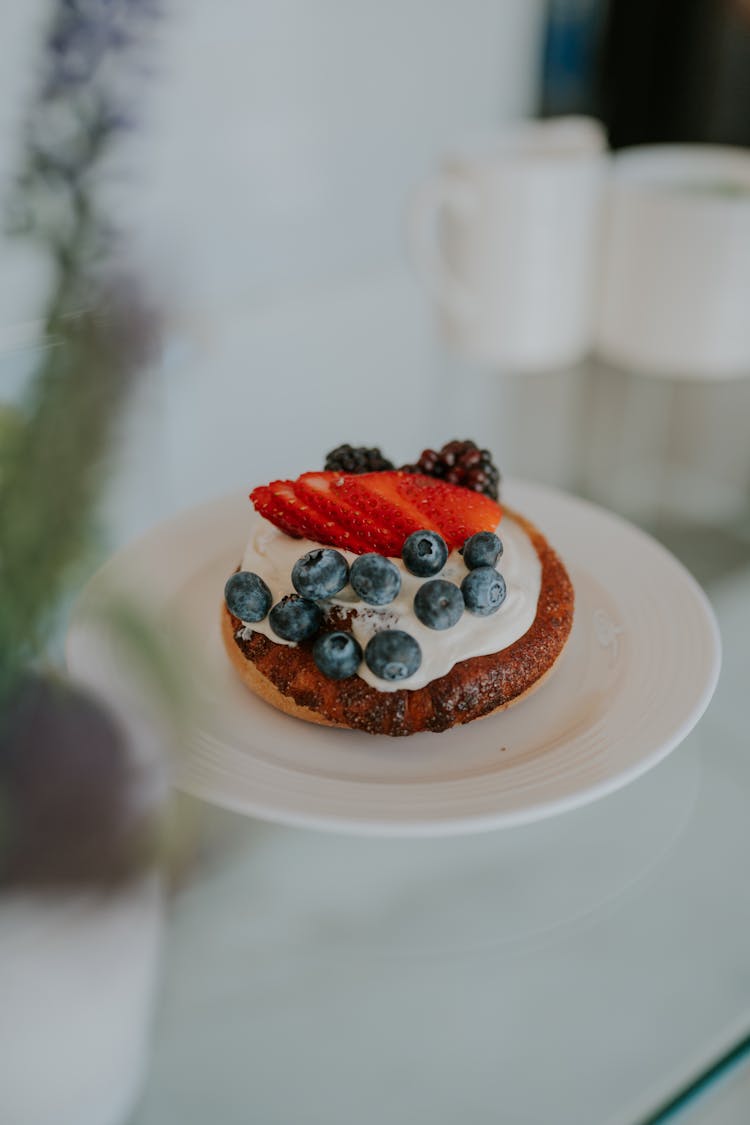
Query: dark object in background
[(68, 785), (675, 70), (654, 71), (571, 43)]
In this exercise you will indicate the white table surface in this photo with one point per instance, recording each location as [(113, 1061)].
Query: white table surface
[(577, 970)]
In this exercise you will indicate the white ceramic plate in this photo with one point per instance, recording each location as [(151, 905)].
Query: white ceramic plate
[(638, 671)]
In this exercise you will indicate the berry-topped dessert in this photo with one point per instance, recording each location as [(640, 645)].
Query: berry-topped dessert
[(394, 600)]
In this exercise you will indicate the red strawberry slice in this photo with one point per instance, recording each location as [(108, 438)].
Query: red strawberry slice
[(410, 502), (292, 514), (299, 514), (377, 496), (277, 502), (322, 492), (374, 511), (273, 510), (312, 523), (458, 512)]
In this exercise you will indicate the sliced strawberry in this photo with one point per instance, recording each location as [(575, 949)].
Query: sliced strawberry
[(312, 523), (294, 515), (322, 492), (458, 512), (328, 492), (273, 510), (277, 502), (374, 511), (410, 502), (378, 497)]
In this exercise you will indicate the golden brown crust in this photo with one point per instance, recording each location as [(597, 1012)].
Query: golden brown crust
[(288, 678)]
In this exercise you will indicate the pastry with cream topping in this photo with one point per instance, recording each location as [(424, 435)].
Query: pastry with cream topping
[(393, 601)]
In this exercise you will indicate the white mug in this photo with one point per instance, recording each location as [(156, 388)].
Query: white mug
[(506, 240), (676, 283)]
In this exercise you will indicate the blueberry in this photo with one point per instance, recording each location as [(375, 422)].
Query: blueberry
[(438, 604), (482, 549), (247, 596), (424, 553), (338, 655), (320, 573), (393, 655), (483, 590), (295, 618), (375, 579)]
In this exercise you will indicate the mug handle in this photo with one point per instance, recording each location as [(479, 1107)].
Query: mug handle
[(442, 193)]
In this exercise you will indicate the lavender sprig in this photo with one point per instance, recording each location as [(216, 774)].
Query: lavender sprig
[(84, 100)]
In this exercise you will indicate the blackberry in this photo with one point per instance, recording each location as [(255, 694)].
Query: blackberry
[(460, 462), (357, 459)]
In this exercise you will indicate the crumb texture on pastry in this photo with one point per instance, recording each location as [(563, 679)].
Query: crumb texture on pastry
[(288, 678)]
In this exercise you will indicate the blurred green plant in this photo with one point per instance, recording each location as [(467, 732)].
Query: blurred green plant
[(50, 476), (97, 334), (66, 770)]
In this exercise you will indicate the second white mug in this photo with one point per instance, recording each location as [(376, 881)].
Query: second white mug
[(505, 238), (676, 278)]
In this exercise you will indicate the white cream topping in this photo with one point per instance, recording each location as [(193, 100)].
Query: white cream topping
[(272, 554)]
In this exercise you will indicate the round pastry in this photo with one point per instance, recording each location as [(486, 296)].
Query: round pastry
[(394, 602)]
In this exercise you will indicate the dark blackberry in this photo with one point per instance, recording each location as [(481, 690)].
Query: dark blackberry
[(460, 462), (357, 459)]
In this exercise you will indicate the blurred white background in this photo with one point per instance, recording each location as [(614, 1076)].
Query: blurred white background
[(264, 196)]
